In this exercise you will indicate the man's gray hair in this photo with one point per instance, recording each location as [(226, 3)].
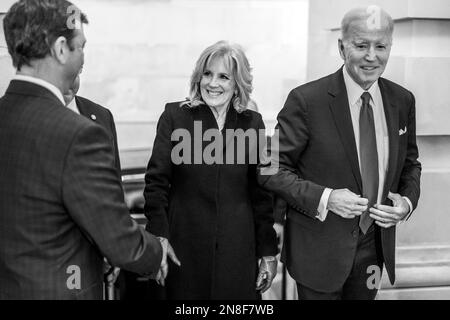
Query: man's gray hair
[(371, 14)]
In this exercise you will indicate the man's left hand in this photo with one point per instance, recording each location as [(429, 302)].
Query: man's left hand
[(389, 216)]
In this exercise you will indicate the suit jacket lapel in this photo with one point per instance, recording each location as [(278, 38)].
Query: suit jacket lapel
[(391, 114), (339, 106), (88, 110), (203, 114), (83, 108)]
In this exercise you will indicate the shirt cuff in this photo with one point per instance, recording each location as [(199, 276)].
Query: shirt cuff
[(322, 210), (410, 209)]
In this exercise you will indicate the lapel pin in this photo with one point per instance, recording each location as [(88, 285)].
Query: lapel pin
[(93, 117)]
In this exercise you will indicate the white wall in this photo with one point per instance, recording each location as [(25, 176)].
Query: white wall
[(140, 55)]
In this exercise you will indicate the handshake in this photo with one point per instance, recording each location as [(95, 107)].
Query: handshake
[(267, 267)]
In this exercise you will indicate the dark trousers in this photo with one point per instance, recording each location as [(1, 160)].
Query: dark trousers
[(368, 253)]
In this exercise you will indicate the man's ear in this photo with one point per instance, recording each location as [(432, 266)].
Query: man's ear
[(60, 50), (341, 48)]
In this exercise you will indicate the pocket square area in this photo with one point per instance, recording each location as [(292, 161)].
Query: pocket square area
[(402, 131)]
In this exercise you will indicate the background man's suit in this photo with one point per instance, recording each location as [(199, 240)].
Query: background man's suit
[(129, 288), (103, 117), (318, 150), (61, 203)]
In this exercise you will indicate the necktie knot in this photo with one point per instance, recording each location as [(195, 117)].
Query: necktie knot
[(365, 97)]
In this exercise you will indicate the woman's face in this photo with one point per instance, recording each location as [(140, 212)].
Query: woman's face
[(217, 84)]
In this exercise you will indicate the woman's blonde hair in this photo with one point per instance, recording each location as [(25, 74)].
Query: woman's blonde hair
[(235, 58)]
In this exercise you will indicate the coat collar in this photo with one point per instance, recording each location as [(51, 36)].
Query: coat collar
[(26, 88), (233, 121), (85, 109), (203, 113)]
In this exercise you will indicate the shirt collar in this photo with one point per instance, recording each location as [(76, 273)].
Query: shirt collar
[(53, 89), (354, 91), (73, 106)]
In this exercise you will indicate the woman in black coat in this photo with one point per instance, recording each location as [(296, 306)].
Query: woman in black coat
[(201, 194)]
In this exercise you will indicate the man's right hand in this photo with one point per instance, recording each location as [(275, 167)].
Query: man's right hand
[(164, 268), (346, 204)]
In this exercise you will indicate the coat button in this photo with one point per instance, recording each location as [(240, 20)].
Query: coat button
[(355, 233)]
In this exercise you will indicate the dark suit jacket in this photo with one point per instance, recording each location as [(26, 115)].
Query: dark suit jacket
[(103, 117), (217, 218), (61, 203), (318, 150)]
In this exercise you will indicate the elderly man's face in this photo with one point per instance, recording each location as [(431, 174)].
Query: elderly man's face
[(365, 52)]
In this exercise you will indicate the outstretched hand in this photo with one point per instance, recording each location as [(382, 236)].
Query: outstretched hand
[(164, 268)]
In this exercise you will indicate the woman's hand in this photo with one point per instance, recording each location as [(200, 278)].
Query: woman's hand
[(164, 268)]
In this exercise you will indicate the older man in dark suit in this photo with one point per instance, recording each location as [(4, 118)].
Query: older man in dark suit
[(348, 167), (61, 202)]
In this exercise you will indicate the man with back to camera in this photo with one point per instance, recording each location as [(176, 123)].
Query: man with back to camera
[(348, 167), (61, 202)]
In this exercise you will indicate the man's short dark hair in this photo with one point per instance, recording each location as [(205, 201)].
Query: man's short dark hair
[(32, 26)]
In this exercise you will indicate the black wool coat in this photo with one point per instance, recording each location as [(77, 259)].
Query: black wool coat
[(216, 217)]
